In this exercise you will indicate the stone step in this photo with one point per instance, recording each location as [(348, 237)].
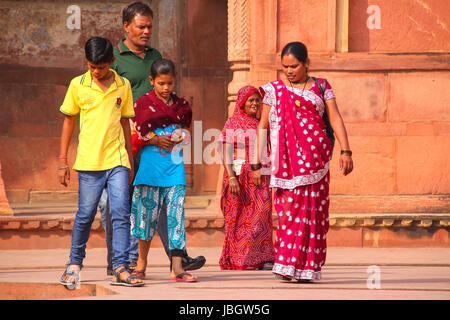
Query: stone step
[(50, 226)]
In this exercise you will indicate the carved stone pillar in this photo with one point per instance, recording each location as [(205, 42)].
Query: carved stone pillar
[(5, 208), (239, 55), (238, 48)]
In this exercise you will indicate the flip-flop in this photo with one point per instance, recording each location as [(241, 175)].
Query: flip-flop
[(181, 278)]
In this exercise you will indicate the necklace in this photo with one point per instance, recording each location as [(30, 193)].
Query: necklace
[(303, 90)]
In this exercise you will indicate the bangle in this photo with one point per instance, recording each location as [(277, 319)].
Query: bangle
[(255, 167), (62, 157), (348, 152), (63, 168), (231, 178)]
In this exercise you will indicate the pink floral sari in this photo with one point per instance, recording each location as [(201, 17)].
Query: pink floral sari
[(300, 160)]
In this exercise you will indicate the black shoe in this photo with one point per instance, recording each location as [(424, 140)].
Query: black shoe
[(190, 264), (266, 266)]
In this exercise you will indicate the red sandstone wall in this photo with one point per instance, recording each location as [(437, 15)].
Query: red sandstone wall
[(396, 106), (405, 26), (41, 55), (205, 76)]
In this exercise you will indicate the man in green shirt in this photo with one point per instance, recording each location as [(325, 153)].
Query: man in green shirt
[(134, 67), (133, 60)]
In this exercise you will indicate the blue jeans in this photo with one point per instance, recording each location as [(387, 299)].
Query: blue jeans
[(104, 208), (91, 185)]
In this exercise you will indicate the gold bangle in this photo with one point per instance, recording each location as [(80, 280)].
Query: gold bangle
[(231, 178), (63, 168), (348, 152)]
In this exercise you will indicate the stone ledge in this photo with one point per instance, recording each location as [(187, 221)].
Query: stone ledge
[(214, 221), (364, 61)]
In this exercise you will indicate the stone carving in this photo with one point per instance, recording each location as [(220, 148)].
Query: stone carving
[(238, 30)]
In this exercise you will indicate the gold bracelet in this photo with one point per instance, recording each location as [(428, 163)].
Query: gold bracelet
[(348, 152), (231, 178), (63, 168)]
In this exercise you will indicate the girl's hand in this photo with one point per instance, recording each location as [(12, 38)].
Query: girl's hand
[(256, 178), (165, 142), (64, 175), (234, 186), (345, 164)]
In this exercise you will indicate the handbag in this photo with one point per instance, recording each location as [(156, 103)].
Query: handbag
[(237, 165), (329, 129)]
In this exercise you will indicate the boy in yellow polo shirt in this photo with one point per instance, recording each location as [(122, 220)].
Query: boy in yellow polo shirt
[(104, 157)]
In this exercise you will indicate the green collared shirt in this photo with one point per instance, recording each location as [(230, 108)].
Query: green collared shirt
[(134, 68)]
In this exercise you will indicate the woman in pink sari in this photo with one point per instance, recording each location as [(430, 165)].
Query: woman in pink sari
[(247, 210), (301, 153)]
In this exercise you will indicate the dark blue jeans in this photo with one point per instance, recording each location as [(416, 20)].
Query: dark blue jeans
[(91, 185)]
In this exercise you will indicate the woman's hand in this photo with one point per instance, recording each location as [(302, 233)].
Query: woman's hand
[(345, 164), (234, 185), (256, 177)]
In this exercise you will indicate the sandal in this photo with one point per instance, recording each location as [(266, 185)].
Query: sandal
[(184, 277), (69, 283), (139, 274), (127, 282)]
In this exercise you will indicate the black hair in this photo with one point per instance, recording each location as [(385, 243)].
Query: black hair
[(162, 66), (99, 50), (297, 49), (130, 11)]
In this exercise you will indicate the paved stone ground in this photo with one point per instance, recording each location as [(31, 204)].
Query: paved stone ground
[(405, 274)]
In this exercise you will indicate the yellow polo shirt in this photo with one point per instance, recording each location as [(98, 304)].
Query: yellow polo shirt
[(101, 142)]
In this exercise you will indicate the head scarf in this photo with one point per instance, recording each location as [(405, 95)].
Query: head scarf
[(240, 121)]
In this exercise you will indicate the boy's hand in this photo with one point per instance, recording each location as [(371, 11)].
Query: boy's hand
[(131, 176), (64, 175)]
